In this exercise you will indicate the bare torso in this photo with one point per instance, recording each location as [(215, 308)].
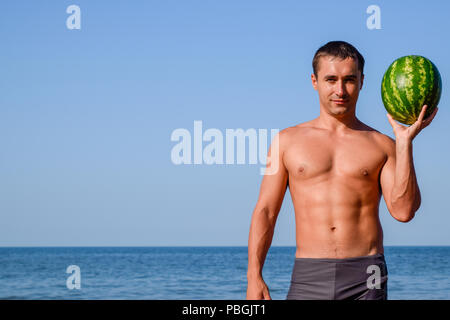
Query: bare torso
[(335, 189)]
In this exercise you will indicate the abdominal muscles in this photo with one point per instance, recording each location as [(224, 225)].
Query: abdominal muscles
[(336, 220)]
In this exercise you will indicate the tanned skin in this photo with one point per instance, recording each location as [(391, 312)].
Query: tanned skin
[(337, 168)]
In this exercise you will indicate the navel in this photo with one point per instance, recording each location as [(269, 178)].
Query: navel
[(333, 228)]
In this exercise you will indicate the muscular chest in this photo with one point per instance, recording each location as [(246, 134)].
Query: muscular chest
[(350, 158)]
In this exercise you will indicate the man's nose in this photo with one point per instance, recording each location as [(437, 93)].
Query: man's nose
[(340, 88)]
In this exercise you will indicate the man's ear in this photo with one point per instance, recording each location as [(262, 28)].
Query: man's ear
[(362, 81), (314, 81)]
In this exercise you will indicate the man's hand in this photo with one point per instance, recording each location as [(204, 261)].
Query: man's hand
[(403, 133), (257, 290)]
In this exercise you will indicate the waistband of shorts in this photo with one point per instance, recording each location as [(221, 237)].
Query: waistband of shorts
[(377, 256)]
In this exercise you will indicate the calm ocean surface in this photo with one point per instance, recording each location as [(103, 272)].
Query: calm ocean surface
[(192, 272)]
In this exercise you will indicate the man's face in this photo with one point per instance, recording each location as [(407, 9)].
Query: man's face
[(338, 83)]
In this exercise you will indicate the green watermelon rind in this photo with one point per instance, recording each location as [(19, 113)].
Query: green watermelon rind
[(409, 83)]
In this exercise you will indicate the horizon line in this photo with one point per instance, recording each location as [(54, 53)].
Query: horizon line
[(182, 246)]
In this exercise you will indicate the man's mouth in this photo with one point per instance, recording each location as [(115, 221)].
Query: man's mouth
[(340, 101)]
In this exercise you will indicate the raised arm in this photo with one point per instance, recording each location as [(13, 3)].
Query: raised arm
[(272, 191), (398, 177), (398, 181)]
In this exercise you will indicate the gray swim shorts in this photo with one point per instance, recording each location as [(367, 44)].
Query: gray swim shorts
[(357, 278)]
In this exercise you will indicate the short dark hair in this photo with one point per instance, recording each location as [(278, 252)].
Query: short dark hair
[(340, 49)]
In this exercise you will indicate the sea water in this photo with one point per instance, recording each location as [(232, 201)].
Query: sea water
[(198, 273)]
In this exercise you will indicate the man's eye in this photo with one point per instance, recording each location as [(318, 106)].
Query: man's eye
[(331, 80)]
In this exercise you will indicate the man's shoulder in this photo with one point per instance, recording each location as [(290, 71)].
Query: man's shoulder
[(290, 134), (384, 141), (296, 129)]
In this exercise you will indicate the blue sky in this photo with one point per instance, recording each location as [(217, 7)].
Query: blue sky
[(86, 115)]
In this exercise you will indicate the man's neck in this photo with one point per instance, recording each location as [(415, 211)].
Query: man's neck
[(338, 124)]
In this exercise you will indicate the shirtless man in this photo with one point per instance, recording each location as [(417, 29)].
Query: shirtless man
[(336, 168)]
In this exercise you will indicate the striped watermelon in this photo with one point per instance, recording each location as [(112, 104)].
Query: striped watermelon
[(409, 83)]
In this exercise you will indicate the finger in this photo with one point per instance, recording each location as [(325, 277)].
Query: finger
[(427, 121), (420, 123), (422, 113), (391, 120), (434, 113), (395, 125)]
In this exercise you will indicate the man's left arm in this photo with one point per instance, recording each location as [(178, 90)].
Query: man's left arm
[(404, 197)]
